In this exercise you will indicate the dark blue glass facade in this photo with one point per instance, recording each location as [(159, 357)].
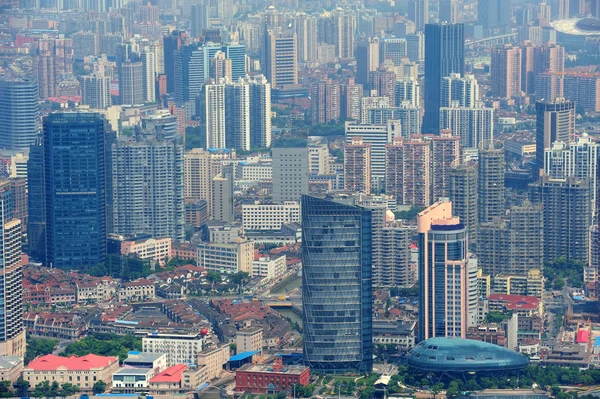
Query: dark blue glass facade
[(336, 286), (75, 189), (444, 54)]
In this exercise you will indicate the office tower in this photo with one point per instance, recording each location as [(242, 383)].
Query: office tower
[(555, 121), (306, 32), (237, 54), (408, 90), (12, 330), (378, 136), (214, 95), (222, 195), (447, 274), (199, 18), (548, 58), (449, 11), (367, 60), (513, 245), (490, 180), (560, 9), (148, 59), (344, 28), (260, 112), (220, 67), (19, 113), (131, 83), (95, 91), (84, 44), (407, 175), (357, 166), (462, 192), (198, 176), (36, 229), (445, 154), (549, 85), (290, 173), (459, 91), (75, 176), (325, 102), (147, 187), (383, 84), (493, 14), (189, 65), (578, 158), (237, 120), (415, 47), (567, 216), (52, 58), (408, 116), (444, 54), (281, 59), (418, 12), (392, 48), (336, 289), (584, 90), (505, 72), (351, 95), (172, 43), (472, 125)]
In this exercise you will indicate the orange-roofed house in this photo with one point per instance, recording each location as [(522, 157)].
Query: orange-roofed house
[(178, 378), (83, 371)]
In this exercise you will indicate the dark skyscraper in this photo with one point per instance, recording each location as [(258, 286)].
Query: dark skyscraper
[(19, 114), (336, 286), (36, 228), (75, 184), (493, 14), (444, 54), (172, 43)]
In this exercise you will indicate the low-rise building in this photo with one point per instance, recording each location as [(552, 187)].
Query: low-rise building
[(176, 379), (263, 378), (249, 339), (155, 249), (10, 368), (146, 360), (138, 290), (269, 216), (179, 348), (131, 380), (261, 171), (394, 332), (523, 305), (83, 371), (226, 258), (213, 359), (270, 268)]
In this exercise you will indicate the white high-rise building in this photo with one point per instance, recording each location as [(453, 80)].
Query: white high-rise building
[(95, 92), (148, 75), (260, 112), (463, 91), (471, 124), (408, 90), (306, 33), (290, 173), (237, 115), (215, 115)]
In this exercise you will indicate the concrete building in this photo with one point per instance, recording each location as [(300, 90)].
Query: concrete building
[(53, 58), (157, 362), (131, 84), (408, 172), (148, 187), (95, 92), (357, 166), (448, 275), (290, 173), (325, 102), (493, 15), (138, 290), (418, 12), (179, 348), (281, 59), (367, 60), (549, 85), (226, 257), (269, 268), (472, 125), (156, 249), (237, 115), (408, 90), (555, 121), (264, 378), (198, 176), (449, 11), (131, 380), (463, 192), (318, 159), (383, 84), (222, 195), (19, 114), (458, 91), (490, 191), (11, 368), (213, 359), (214, 96), (82, 371), (260, 112), (249, 339), (567, 216), (269, 216), (505, 72), (392, 49), (584, 90), (306, 33), (445, 153)]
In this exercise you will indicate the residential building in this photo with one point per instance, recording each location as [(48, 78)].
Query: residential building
[(490, 180), (325, 102), (95, 92), (445, 153), (198, 176), (281, 59), (82, 371), (493, 15), (367, 60), (131, 85), (448, 275), (449, 11), (19, 113), (583, 89), (270, 216), (264, 378), (463, 192), (459, 91), (444, 54), (472, 125), (269, 268), (249, 339), (319, 161), (408, 90), (408, 115), (260, 112), (156, 249), (505, 72), (237, 115), (222, 195), (408, 172), (139, 290), (357, 166), (383, 84), (290, 173), (213, 360), (329, 316), (555, 121), (53, 58), (226, 257), (180, 348), (418, 12), (214, 101), (351, 100)]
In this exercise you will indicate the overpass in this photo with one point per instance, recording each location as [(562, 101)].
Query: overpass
[(492, 40)]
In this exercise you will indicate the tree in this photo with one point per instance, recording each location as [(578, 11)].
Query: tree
[(5, 391), (21, 387), (41, 390), (213, 276), (105, 345), (281, 395), (68, 390), (308, 390), (233, 348), (238, 277), (99, 387), (367, 393), (39, 347)]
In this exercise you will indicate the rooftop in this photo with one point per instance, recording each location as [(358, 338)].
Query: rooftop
[(171, 374), (133, 371), (84, 363), (142, 357), (242, 356), (268, 368)]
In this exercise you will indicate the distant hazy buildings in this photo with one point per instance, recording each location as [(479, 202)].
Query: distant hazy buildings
[(555, 121), (491, 180), (408, 171), (19, 113), (463, 193), (357, 166)]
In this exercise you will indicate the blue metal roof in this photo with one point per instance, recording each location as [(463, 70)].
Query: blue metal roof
[(597, 341), (242, 356)]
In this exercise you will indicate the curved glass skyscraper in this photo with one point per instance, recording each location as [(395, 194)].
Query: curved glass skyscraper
[(19, 113), (336, 286)]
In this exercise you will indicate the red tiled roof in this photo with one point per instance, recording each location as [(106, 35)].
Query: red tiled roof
[(171, 374), (582, 336), (87, 362), (514, 298)]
